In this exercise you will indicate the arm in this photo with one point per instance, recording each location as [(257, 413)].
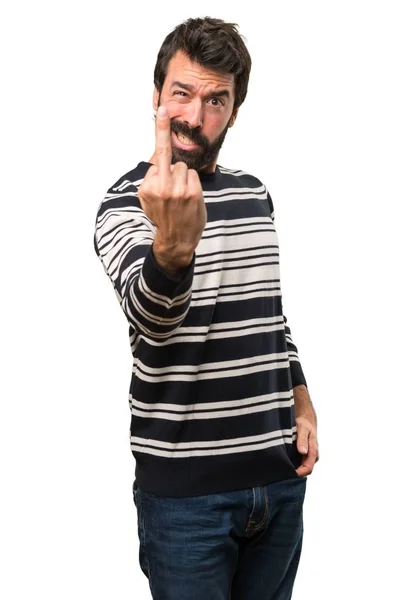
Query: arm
[(303, 405), (147, 240), (154, 300), (306, 418), (295, 366)]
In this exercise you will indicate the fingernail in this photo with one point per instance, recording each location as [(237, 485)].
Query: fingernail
[(303, 449), (162, 112)]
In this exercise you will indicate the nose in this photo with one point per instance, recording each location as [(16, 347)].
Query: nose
[(194, 114)]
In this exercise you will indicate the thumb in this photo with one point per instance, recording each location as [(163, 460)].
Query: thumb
[(302, 445)]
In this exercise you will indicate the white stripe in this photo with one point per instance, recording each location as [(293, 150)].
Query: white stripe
[(140, 325), (130, 273), (214, 278), (286, 436), (117, 260), (185, 408), (248, 439), (159, 414), (127, 184), (293, 357), (235, 229), (240, 324), (242, 264), (231, 172), (230, 289), (231, 197), (159, 299), (210, 415), (229, 364), (231, 325), (232, 257), (137, 182), (201, 338), (226, 223), (119, 236), (109, 197), (156, 319), (192, 453), (213, 374), (118, 187), (261, 262), (250, 220), (237, 297), (113, 217), (259, 191), (236, 172)]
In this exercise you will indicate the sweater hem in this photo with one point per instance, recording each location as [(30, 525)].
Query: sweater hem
[(202, 476)]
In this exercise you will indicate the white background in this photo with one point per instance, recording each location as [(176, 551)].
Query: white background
[(321, 128)]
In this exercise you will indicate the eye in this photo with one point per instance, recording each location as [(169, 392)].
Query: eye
[(180, 93), (215, 101)]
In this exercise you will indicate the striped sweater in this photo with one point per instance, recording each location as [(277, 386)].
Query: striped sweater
[(214, 364)]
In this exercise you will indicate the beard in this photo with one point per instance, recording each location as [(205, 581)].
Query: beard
[(201, 157)]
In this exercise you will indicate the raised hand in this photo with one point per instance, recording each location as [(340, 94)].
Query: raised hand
[(172, 198)]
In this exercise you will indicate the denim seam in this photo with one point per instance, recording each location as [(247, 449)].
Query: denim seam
[(265, 516), (265, 512), (142, 526), (254, 505)]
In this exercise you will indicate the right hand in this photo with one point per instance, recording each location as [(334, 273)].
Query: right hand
[(172, 198)]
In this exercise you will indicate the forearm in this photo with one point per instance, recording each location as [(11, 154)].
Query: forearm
[(306, 423), (303, 404), (157, 302)]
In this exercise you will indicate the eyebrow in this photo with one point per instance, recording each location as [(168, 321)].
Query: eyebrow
[(190, 88)]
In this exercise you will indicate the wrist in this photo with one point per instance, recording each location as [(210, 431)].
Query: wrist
[(170, 258), (303, 404)]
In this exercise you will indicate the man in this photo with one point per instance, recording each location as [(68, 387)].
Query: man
[(223, 430)]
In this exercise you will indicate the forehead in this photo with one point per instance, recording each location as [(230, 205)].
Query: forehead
[(181, 68)]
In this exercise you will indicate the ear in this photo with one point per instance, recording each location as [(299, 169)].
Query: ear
[(233, 117), (156, 97)]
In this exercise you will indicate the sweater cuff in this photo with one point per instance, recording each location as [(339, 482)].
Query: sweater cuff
[(297, 373), (161, 282)]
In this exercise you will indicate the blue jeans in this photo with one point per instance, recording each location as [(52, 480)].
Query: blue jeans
[(240, 545)]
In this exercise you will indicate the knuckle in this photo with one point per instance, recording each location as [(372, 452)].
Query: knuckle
[(193, 176), (181, 165), (151, 171), (178, 193), (164, 195)]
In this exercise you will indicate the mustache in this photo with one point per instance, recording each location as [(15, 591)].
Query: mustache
[(192, 134)]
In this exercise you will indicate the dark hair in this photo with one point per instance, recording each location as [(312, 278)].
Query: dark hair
[(213, 44)]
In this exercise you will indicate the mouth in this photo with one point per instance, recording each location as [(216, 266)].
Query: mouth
[(181, 141)]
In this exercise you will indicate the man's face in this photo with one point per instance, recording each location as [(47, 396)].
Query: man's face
[(200, 106)]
